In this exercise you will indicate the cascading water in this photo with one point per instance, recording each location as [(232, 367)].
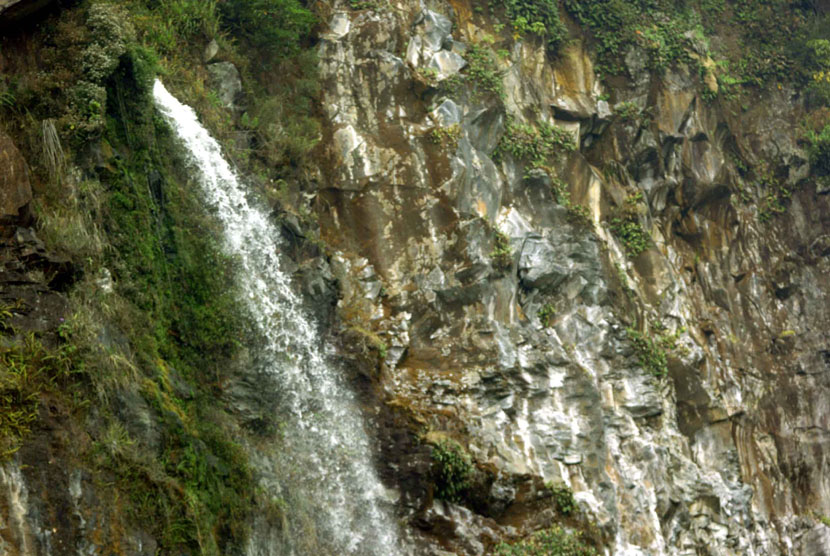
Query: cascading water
[(327, 454)]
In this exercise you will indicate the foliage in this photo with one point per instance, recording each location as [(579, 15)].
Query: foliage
[(540, 17), (446, 136), (626, 226), (818, 149), (630, 232), (452, 469), (628, 111), (28, 370), (535, 145), (502, 254), (273, 27), (563, 497), (776, 194), (555, 541), (482, 70), (546, 314), (652, 350)]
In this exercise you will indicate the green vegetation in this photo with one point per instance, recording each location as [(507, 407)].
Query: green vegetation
[(656, 26), (628, 111), (819, 150), (546, 314), (483, 71), (652, 350), (577, 214), (630, 232), (626, 226), (28, 370), (452, 469), (554, 541), (446, 136), (155, 314), (563, 497), (502, 254), (776, 194), (539, 17), (534, 145), (273, 28)]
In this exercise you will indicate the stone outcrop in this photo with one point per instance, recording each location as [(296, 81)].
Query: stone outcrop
[(724, 455)]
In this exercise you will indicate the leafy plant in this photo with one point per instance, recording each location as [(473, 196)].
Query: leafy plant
[(652, 350), (627, 228), (446, 136), (274, 27), (546, 314), (535, 145), (452, 469), (539, 17), (563, 497), (554, 541), (502, 254), (482, 70)]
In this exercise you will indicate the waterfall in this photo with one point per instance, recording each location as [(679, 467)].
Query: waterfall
[(327, 456)]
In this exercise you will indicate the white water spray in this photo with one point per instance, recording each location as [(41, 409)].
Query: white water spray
[(327, 453)]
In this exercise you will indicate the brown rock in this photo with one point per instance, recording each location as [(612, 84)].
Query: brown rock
[(15, 191)]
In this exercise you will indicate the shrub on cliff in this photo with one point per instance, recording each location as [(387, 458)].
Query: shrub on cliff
[(274, 27), (555, 541), (819, 150)]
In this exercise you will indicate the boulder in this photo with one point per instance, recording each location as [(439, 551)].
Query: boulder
[(225, 81)]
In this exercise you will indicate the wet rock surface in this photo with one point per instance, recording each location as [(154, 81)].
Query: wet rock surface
[(723, 455)]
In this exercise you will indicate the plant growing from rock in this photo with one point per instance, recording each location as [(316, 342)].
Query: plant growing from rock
[(502, 253), (452, 469), (554, 541), (627, 228), (563, 497), (482, 70), (445, 136), (652, 350), (546, 314), (534, 145)]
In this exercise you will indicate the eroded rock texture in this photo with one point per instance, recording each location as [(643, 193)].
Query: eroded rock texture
[(724, 455)]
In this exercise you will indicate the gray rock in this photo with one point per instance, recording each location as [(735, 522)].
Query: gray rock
[(211, 50), (225, 81)]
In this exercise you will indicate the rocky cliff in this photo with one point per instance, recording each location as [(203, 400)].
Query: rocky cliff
[(575, 270), (630, 317)]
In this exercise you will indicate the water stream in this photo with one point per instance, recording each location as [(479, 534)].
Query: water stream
[(326, 457)]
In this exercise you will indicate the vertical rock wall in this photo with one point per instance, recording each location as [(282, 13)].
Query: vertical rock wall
[(725, 454)]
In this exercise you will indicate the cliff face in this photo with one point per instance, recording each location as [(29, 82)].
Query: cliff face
[(563, 300), (543, 357)]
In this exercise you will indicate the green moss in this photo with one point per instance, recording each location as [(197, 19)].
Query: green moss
[(554, 541), (452, 470)]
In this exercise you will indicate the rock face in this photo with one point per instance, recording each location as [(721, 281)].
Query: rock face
[(225, 81), (13, 10), (725, 454)]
